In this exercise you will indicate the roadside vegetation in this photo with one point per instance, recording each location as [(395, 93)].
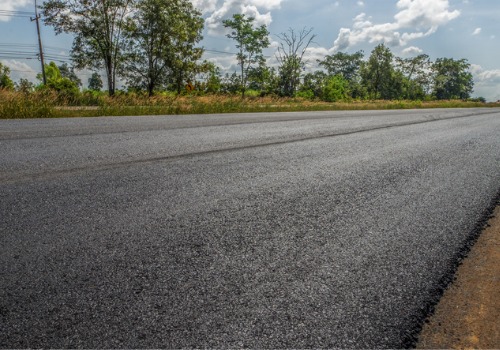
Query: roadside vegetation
[(150, 48), (51, 104)]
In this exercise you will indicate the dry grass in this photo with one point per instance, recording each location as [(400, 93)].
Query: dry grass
[(48, 104)]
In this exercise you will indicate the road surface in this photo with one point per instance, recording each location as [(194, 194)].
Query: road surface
[(291, 230)]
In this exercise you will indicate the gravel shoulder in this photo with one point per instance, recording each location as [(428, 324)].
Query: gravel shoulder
[(467, 317)]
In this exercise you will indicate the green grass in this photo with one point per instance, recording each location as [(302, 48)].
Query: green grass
[(49, 104)]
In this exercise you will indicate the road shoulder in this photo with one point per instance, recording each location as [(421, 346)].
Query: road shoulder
[(468, 313)]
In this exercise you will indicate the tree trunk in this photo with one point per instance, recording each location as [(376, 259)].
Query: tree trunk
[(150, 89), (242, 80), (109, 75)]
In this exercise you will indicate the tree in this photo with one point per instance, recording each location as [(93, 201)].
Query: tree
[(313, 84), (97, 26), (416, 71), (57, 82), (161, 39), (25, 86), (379, 76), (348, 67), (452, 79), (250, 42), (264, 79), (231, 83), (343, 64), (290, 56), (95, 82), (209, 80), (69, 72), (184, 64), (5, 81)]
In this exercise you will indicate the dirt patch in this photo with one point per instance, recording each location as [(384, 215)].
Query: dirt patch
[(468, 314)]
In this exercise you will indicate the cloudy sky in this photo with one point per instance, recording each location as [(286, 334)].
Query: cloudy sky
[(440, 28)]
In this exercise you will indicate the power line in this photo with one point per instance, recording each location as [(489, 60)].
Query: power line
[(217, 51), (17, 11), (227, 53), (22, 71), (23, 14), (17, 57), (17, 53)]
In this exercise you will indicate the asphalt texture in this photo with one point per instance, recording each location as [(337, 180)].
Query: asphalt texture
[(291, 230)]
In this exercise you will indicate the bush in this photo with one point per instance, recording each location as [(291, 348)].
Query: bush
[(336, 89), (306, 94)]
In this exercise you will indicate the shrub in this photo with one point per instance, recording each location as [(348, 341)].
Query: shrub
[(336, 89)]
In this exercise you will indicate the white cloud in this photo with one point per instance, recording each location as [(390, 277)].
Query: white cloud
[(415, 19), (12, 5), (20, 70), (315, 53), (227, 63), (477, 31), (205, 6), (361, 3), (220, 10), (483, 76), (412, 50), (486, 82)]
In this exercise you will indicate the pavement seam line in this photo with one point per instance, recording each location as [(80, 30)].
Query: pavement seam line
[(221, 124), (62, 172)]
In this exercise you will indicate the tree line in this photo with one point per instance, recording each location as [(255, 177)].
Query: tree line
[(153, 45)]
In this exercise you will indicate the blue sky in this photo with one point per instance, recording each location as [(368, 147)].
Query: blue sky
[(440, 28)]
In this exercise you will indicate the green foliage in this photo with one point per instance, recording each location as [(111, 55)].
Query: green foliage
[(313, 82), (379, 76), (25, 86), (5, 81), (250, 42), (336, 89), (347, 66), (95, 82), (477, 99), (97, 26), (69, 72), (209, 80), (161, 39), (306, 94), (47, 103), (343, 64), (417, 78), (289, 75), (184, 64), (57, 82), (263, 79), (452, 79), (230, 83), (153, 45)]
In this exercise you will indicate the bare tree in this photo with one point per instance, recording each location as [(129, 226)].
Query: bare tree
[(290, 56)]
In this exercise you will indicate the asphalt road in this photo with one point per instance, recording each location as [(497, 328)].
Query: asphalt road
[(329, 229)]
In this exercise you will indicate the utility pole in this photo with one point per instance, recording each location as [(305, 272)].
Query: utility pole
[(37, 17)]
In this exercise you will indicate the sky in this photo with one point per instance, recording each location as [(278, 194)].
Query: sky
[(456, 29)]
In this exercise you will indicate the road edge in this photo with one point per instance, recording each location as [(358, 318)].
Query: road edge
[(411, 338)]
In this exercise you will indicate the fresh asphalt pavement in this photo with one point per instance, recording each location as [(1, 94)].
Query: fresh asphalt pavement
[(290, 230)]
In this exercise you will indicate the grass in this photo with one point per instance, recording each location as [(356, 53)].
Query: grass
[(49, 104)]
